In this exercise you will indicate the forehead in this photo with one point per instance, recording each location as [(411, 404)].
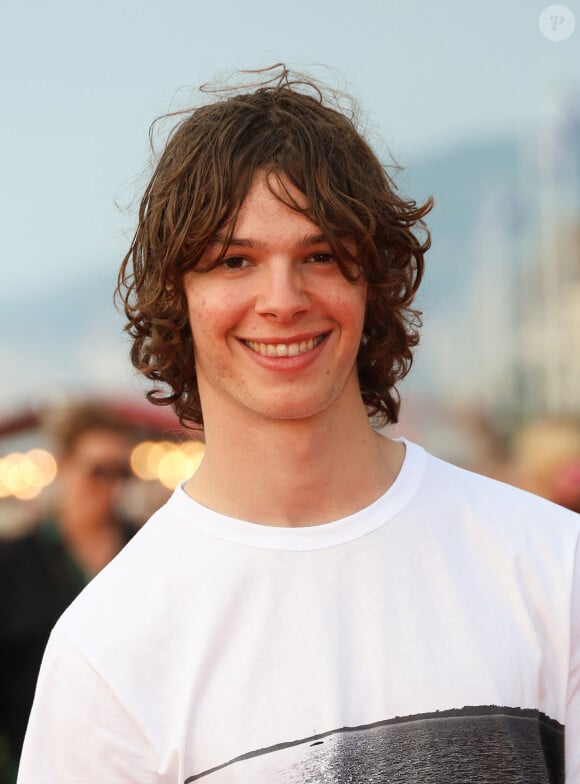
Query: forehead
[(273, 201), (101, 442)]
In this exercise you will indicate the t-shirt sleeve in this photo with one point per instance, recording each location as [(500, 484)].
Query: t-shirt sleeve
[(573, 706), (79, 730)]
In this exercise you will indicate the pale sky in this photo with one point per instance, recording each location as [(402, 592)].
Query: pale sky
[(82, 81)]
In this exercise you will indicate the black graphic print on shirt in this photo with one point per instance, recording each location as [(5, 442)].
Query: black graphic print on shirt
[(472, 745)]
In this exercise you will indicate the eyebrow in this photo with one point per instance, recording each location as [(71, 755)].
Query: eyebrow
[(241, 242)]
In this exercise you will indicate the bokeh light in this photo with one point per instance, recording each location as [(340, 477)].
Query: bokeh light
[(24, 475), (168, 462)]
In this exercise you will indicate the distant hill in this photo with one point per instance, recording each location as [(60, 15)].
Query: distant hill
[(459, 180)]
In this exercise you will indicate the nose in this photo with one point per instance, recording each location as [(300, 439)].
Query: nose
[(282, 292)]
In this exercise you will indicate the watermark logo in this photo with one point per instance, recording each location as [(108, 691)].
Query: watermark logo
[(557, 22)]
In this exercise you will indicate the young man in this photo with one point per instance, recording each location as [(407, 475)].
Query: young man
[(318, 602)]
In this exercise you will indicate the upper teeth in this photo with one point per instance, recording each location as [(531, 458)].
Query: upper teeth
[(284, 349)]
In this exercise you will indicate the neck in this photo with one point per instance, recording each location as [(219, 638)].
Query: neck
[(297, 472)]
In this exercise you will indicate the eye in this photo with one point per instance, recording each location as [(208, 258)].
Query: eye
[(235, 262), (321, 258)]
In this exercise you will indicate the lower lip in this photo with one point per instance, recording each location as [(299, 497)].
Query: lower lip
[(287, 363)]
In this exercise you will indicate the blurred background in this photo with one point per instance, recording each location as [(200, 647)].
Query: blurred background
[(480, 105)]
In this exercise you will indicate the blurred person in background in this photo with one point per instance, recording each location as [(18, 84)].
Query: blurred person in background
[(42, 571), (546, 460)]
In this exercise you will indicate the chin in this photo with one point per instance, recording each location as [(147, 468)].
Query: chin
[(290, 409)]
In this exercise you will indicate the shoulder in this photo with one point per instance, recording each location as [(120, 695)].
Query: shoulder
[(493, 534), (21, 553), (13, 546), (33, 586), (130, 592), (446, 487)]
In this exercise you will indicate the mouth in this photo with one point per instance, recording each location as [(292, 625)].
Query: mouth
[(284, 349)]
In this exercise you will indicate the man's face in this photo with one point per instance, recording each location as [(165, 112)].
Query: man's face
[(276, 326), (91, 474)]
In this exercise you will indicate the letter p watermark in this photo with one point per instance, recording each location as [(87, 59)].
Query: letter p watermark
[(557, 22)]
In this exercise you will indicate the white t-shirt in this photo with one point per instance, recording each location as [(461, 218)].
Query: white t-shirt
[(430, 637)]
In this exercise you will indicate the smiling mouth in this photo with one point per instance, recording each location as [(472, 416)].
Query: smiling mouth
[(284, 349)]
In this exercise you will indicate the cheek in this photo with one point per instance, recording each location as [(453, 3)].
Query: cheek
[(211, 319), (216, 310), (351, 307), (203, 317)]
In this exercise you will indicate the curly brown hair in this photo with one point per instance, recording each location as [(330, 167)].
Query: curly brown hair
[(292, 127)]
